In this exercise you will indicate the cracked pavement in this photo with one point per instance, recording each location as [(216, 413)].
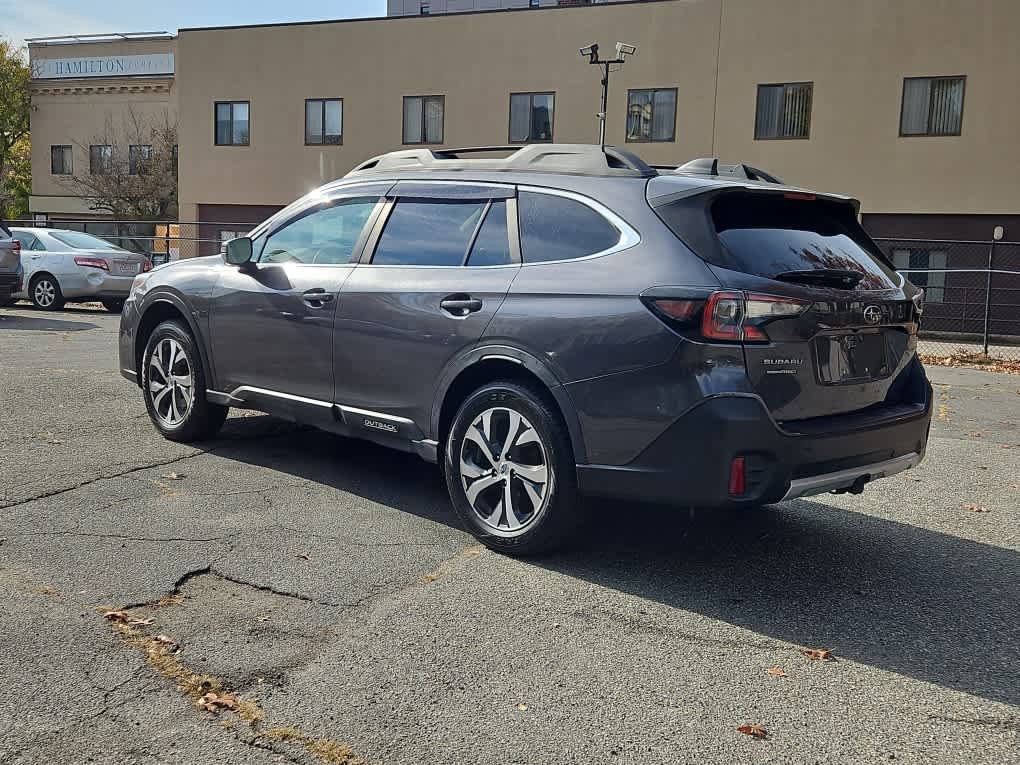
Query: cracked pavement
[(327, 581)]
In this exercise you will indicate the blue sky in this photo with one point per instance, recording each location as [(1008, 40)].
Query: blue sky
[(45, 18)]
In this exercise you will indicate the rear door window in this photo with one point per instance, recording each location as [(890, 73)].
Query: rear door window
[(492, 245), (429, 232), (769, 235), (554, 228)]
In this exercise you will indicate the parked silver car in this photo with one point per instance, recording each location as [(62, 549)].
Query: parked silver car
[(10, 266), (62, 265)]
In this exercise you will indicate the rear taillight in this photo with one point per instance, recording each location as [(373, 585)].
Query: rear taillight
[(731, 317), (92, 263), (738, 316), (146, 265), (16, 247)]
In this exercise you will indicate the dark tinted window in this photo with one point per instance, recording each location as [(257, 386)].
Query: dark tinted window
[(428, 233), (28, 241), (557, 228), (767, 235), (492, 247)]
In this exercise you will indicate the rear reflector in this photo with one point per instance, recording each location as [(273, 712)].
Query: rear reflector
[(738, 480), (92, 263), (799, 197)]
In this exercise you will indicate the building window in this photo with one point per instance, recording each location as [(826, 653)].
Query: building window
[(100, 159), (534, 3), (531, 117), (918, 265), (784, 111), (651, 115), (324, 121), (932, 106), (138, 157), (60, 160), (423, 119), (424, 9), (232, 123)]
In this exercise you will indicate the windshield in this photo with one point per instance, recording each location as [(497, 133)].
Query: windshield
[(769, 235), (80, 241)]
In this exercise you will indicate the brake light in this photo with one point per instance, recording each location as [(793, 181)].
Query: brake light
[(146, 265), (736, 316), (681, 310), (16, 247), (92, 263)]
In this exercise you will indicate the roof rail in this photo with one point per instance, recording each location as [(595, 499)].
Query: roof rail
[(568, 158), (711, 166)]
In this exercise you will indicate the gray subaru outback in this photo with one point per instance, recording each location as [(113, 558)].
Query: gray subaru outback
[(552, 321)]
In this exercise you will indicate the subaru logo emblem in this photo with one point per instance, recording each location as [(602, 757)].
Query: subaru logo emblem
[(873, 314)]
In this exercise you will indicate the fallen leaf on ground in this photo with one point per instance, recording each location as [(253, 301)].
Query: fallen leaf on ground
[(974, 508), (522, 707), (167, 641), (213, 702), (302, 556), (756, 730), (974, 434), (262, 618), (818, 654), (125, 618), (174, 476), (776, 672)]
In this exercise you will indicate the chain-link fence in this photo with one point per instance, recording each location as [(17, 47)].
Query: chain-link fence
[(159, 240), (972, 294), (972, 288)]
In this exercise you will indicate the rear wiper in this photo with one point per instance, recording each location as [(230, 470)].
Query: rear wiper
[(823, 277)]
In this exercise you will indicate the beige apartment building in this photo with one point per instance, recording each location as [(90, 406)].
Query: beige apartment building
[(909, 105)]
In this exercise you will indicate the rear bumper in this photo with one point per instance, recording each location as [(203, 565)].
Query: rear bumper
[(95, 283), (10, 283), (689, 464)]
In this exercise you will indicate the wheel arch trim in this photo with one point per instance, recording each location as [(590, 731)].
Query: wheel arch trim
[(166, 297), (529, 362)]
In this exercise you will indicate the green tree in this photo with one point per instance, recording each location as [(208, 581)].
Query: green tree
[(15, 106)]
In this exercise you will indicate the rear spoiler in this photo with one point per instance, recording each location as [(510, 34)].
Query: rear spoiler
[(711, 166)]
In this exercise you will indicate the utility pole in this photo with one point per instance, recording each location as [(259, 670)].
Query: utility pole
[(592, 52)]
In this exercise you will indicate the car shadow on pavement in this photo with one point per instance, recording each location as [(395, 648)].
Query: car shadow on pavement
[(920, 603), (42, 323)]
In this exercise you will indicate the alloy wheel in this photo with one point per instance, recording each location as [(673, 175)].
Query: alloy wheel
[(171, 382), (45, 293), (504, 471)]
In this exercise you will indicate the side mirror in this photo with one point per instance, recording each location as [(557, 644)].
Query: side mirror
[(238, 251)]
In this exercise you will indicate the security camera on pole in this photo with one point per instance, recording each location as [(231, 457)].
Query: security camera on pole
[(592, 52)]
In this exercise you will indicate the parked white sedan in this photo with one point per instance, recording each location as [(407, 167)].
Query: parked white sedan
[(62, 265)]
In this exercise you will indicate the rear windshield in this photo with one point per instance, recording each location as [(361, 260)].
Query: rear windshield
[(767, 235), (80, 241)]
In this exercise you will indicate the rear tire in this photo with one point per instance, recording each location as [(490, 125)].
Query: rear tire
[(113, 306), (174, 385), (45, 293), (509, 446)]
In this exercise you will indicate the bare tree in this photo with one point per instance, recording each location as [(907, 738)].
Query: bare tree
[(132, 171)]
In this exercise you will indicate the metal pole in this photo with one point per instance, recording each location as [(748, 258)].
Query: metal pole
[(988, 296), (605, 105)]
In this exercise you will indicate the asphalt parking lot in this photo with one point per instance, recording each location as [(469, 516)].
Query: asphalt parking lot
[(324, 587)]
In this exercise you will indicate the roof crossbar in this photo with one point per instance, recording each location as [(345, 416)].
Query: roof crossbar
[(569, 158)]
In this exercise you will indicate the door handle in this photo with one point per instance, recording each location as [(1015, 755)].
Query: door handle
[(460, 305), (317, 297)]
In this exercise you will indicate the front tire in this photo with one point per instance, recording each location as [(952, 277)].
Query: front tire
[(45, 293), (173, 384), (510, 470)]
